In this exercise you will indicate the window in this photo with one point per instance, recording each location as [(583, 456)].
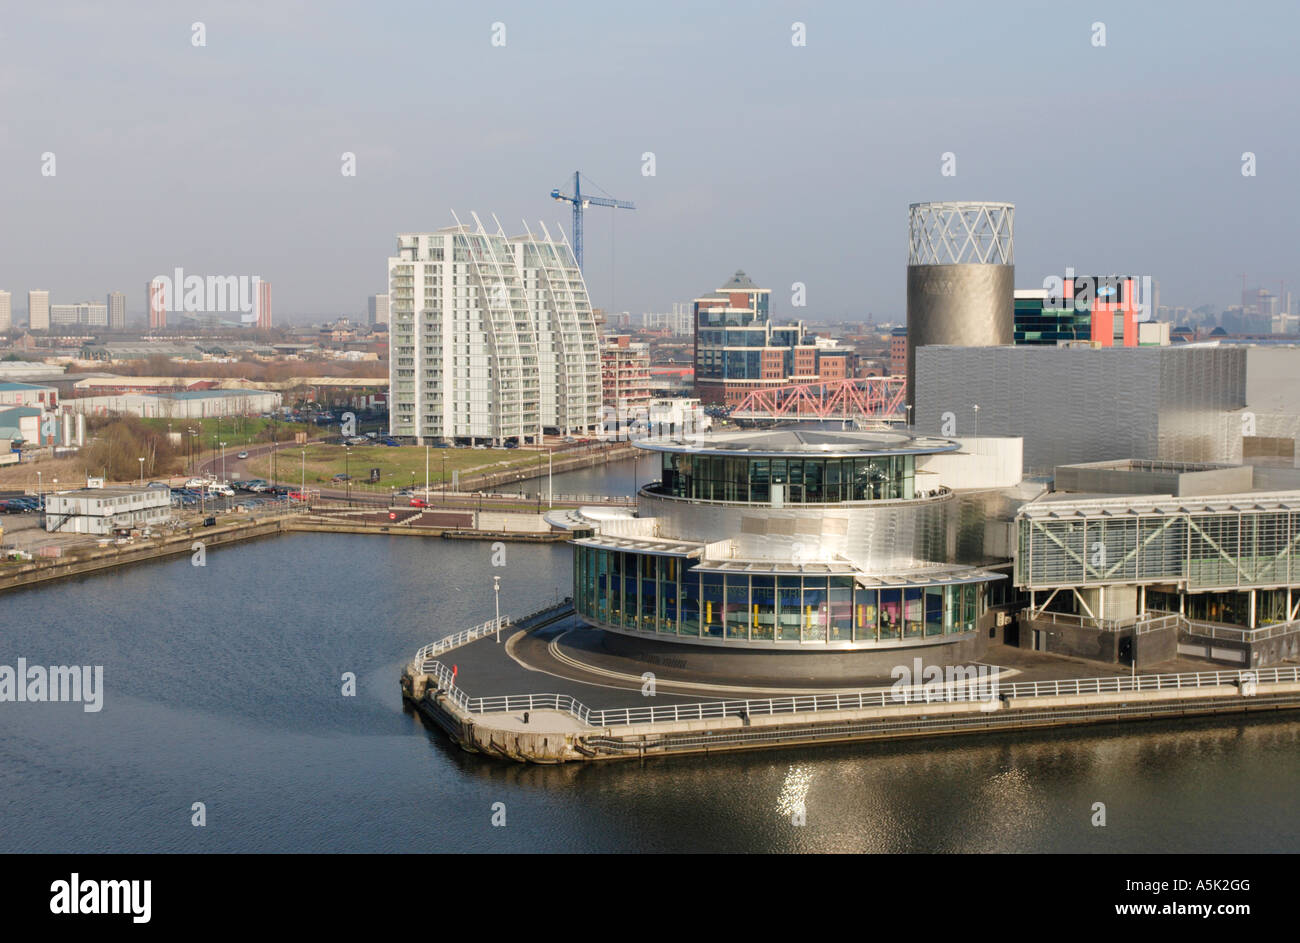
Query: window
[(763, 607), (737, 608), (790, 615), (891, 613), (934, 610)]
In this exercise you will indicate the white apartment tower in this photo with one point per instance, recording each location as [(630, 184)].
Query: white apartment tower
[(491, 337), (38, 310), (6, 311), (378, 309)]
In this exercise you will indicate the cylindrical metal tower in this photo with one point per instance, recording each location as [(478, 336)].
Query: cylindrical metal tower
[(960, 277)]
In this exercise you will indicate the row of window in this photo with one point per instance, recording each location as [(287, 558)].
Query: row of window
[(800, 480), (644, 593)]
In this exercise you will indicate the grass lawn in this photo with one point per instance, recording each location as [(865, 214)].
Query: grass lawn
[(235, 431), (398, 467)]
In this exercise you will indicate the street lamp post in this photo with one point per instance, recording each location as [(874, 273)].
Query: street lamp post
[(909, 416), (223, 463), (496, 592), (302, 490), (347, 472), (976, 408), (141, 472), (40, 494), (444, 477)]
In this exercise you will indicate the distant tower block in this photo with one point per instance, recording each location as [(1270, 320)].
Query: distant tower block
[(960, 277)]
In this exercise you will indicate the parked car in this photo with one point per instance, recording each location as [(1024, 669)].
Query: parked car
[(297, 496), (196, 483), (512, 445), (393, 443), (341, 477), (157, 484)]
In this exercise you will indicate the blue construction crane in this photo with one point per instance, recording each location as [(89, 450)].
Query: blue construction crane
[(580, 203)]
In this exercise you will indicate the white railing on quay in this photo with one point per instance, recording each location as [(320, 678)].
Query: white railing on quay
[(434, 649), (981, 690)]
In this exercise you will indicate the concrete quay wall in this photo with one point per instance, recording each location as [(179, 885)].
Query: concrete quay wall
[(560, 738)]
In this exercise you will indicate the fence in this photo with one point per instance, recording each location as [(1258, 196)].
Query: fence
[(434, 649), (982, 689), (1227, 633), (1144, 623)]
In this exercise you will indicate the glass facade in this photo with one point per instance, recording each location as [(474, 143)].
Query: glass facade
[(797, 480), (664, 596), (1035, 323), (1206, 548)]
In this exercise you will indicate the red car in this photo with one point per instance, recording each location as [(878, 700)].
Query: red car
[(419, 503), (296, 495)]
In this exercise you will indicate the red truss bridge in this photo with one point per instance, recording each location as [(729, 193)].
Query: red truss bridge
[(868, 397)]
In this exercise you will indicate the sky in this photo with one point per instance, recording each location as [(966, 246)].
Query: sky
[(794, 163)]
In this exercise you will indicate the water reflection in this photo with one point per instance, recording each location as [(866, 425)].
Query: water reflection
[(222, 684)]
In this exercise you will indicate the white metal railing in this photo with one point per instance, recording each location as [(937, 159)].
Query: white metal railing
[(1144, 623), (1227, 633), (434, 649), (1173, 621), (985, 690)]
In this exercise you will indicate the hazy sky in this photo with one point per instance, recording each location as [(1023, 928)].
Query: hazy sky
[(793, 163)]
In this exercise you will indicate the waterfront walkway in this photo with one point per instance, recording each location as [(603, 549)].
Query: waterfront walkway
[(471, 691)]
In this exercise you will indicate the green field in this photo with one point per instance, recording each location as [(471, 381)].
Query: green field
[(401, 467), (235, 431)]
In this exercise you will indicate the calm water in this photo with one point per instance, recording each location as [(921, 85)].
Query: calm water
[(223, 686)]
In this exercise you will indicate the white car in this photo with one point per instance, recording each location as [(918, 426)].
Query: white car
[(242, 455), (197, 483), (223, 490)]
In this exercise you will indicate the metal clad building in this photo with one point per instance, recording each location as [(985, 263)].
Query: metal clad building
[(1076, 405)]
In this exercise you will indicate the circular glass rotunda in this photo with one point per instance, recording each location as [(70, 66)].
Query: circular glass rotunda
[(796, 540)]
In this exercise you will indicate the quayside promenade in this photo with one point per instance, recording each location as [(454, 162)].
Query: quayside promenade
[(594, 706)]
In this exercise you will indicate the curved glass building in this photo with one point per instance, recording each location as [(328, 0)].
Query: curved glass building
[(796, 539)]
